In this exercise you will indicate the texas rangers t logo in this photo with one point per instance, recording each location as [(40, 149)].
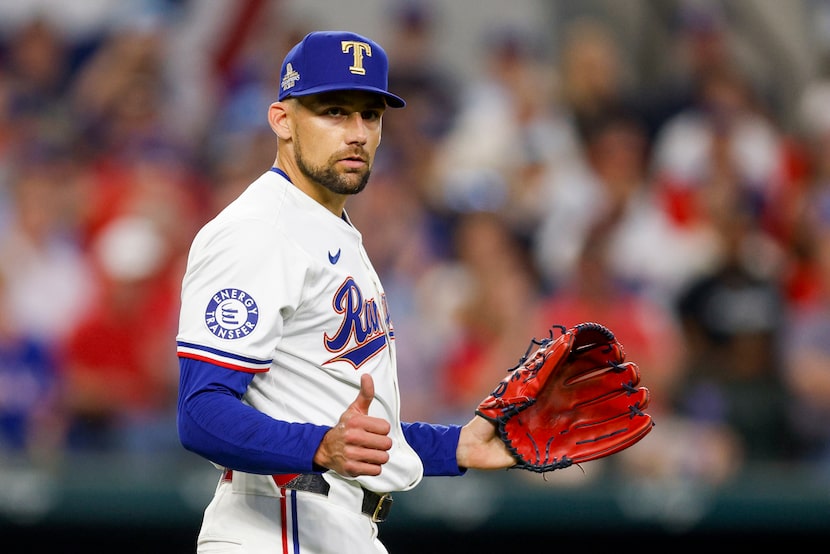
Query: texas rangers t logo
[(231, 314), (358, 50)]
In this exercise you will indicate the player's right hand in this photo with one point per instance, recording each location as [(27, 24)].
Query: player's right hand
[(359, 443)]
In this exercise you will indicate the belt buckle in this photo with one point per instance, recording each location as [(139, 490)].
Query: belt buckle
[(382, 509)]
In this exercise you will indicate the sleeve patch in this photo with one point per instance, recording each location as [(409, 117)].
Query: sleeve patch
[(231, 314)]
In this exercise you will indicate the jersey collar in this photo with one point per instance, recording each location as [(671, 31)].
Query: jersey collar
[(279, 171)]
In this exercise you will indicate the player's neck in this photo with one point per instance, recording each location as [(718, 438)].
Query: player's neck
[(332, 201)]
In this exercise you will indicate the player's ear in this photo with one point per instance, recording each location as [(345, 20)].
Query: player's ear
[(278, 119)]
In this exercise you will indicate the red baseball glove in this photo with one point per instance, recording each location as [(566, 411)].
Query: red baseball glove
[(574, 399)]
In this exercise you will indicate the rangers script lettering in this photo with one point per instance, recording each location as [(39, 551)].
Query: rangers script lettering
[(361, 322)]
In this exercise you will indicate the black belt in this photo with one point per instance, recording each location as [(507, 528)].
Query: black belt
[(376, 506)]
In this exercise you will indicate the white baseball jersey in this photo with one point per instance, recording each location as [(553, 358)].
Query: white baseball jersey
[(278, 285)]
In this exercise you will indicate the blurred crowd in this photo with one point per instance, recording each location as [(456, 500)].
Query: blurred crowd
[(547, 190)]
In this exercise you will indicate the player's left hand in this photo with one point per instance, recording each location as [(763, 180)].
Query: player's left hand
[(480, 447), (359, 443)]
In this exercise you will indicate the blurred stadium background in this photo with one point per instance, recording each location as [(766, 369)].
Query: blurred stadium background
[(661, 166)]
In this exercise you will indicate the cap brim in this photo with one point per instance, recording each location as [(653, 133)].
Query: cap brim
[(392, 100)]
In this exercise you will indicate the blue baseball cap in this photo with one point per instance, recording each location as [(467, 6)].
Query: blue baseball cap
[(334, 60)]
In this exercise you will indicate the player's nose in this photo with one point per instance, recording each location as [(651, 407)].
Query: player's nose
[(357, 130)]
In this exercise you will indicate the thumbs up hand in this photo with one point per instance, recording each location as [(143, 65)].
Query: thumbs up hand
[(359, 443)]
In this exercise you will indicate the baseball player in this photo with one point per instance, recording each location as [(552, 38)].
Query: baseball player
[(286, 343)]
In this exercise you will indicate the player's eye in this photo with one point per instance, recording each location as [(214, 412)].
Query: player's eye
[(370, 115)]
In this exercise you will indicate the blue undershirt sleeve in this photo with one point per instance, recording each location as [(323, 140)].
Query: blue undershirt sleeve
[(436, 446), (214, 423)]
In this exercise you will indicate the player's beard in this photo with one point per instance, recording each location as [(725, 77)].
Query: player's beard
[(341, 183)]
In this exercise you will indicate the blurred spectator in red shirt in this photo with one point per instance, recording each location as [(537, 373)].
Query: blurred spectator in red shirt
[(119, 362)]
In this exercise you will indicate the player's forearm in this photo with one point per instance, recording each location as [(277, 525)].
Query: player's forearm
[(214, 423), (225, 431)]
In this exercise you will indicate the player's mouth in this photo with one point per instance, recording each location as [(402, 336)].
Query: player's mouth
[(354, 162)]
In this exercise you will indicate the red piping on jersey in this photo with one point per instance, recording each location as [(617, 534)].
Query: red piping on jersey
[(284, 522), (222, 364)]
